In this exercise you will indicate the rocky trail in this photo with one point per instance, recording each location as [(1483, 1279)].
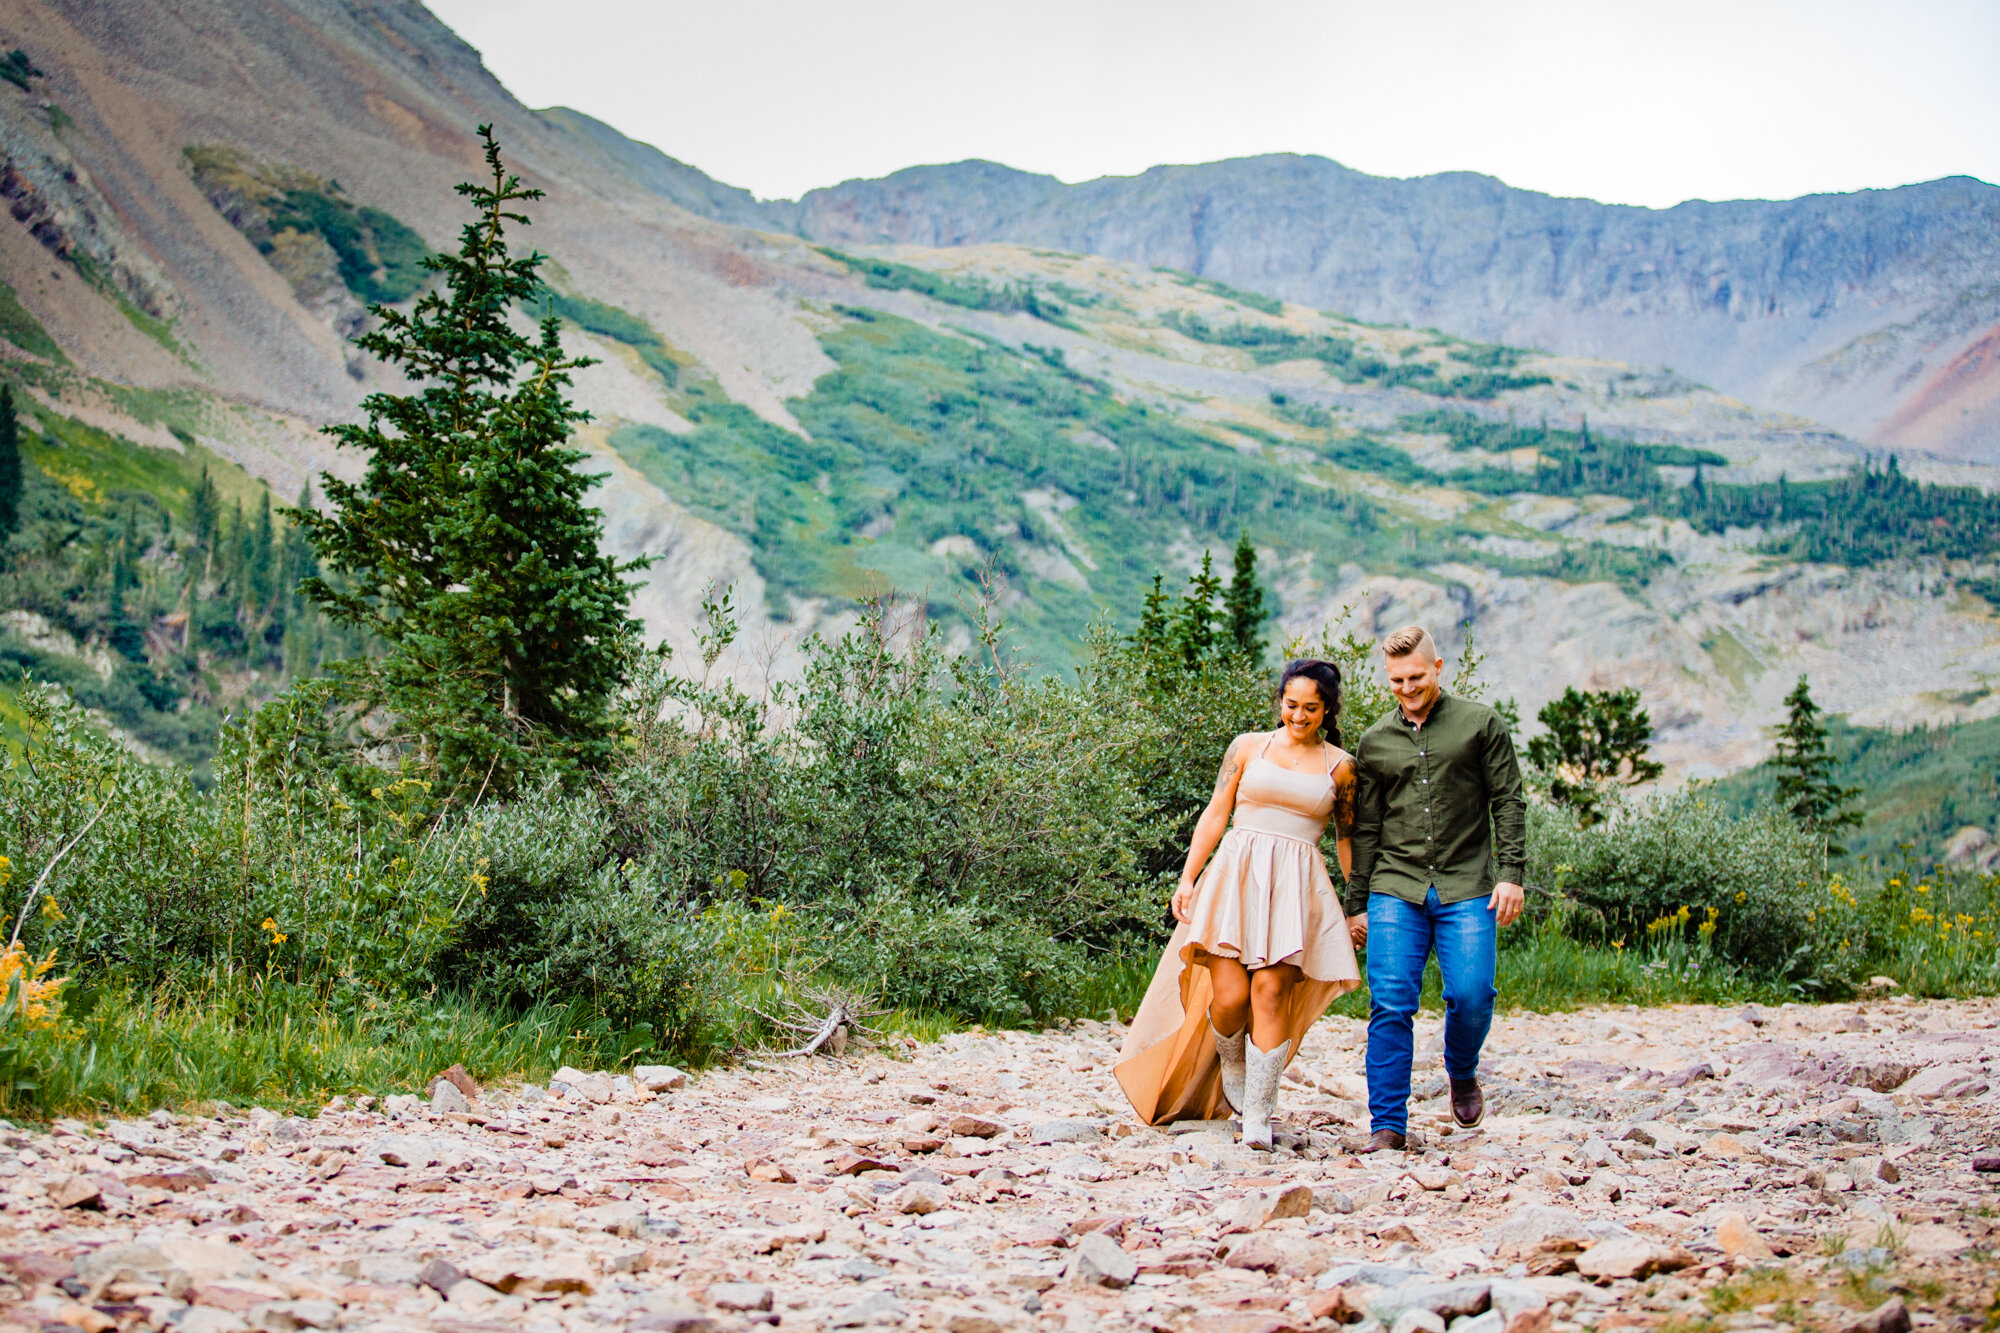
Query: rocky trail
[(1809, 1167)]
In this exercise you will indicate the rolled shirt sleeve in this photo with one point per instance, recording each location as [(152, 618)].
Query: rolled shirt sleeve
[(1505, 800)]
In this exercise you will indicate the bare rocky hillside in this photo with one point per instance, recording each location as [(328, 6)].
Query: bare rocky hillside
[(179, 312)]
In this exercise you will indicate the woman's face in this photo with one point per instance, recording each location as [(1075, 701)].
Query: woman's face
[(1302, 710)]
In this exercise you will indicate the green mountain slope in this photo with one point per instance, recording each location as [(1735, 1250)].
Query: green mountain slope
[(1918, 786)]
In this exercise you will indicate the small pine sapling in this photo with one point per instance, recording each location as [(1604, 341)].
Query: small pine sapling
[(1244, 606), (1806, 767)]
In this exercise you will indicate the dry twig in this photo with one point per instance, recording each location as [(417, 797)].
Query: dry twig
[(828, 1016)]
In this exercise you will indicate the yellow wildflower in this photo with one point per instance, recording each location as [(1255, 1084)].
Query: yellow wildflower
[(40, 1002), (51, 912)]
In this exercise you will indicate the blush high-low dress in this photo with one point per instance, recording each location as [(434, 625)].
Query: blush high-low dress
[(1263, 898)]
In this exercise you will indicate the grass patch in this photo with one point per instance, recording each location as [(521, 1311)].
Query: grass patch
[(1270, 344), (1630, 567), (246, 1040), (933, 458), (974, 293), (1118, 986), (97, 467), (159, 330), (1539, 970), (1759, 1286), (20, 327), (1269, 305)]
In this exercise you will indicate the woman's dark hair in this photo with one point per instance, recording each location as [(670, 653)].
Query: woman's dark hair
[(1325, 677)]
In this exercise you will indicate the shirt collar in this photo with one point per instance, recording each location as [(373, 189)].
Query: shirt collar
[(1403, 719)]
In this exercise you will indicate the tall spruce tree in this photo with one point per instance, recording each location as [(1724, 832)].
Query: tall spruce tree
[(1806, 767), (1244, 609), (10, 465), (467, 547), (260, 565)]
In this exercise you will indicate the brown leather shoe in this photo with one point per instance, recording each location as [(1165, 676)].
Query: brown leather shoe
[(1468, 1103), (1384, 1140)]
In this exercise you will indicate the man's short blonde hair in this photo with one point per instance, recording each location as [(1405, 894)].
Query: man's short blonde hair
[(1411, 639)]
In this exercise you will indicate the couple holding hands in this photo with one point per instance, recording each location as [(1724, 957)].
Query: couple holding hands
[(1432, 835)]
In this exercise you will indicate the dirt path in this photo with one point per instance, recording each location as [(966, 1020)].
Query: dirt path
[(1805, 1167)]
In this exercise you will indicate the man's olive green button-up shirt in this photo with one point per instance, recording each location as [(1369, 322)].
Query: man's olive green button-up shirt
[(1438, 804)]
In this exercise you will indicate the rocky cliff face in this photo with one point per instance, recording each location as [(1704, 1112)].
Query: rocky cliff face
[(1876, 312)]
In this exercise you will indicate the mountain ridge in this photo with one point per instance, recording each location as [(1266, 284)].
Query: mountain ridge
[(1875, 311)]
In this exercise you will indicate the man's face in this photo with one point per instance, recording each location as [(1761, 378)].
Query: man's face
[(1413, 679)]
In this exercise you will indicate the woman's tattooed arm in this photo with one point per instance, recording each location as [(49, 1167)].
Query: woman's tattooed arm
[(1343, 800)]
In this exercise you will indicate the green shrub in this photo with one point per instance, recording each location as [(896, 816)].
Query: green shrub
[(558, 919), (907, 790), (1759, 874), (978, 961), (287, 863)]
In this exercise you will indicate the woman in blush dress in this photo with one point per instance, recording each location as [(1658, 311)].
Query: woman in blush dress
[(1262, 947)]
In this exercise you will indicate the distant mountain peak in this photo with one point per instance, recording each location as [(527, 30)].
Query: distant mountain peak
[(1869, 310)]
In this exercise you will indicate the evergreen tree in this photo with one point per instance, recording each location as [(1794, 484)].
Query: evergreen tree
[(205, 511), (1195, 618), (1151, 638), (260, 570), (295, 556), (1596, 740), (1244, 606), (10, 465), (467, 547), (125, 564), (1806, 768), (236, 552)]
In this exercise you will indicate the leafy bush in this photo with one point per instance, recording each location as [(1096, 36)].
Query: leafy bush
[(558, 919), (907, 789), (284, 863), (1759, 873)]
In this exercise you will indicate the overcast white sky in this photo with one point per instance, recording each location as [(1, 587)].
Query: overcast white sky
[(1627, 101)]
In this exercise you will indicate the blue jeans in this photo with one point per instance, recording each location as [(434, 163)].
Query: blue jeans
[(1401, 936)]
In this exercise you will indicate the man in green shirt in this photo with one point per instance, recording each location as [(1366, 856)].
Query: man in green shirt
[(1440, 849)]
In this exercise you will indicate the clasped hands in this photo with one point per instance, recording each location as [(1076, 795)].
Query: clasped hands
[(1505, 902)]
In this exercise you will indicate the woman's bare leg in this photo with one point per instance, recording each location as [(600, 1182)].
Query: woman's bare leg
[(1229, 994), (1270, 990)]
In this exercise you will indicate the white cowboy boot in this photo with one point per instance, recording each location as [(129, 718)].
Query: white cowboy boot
[(1231, 1051), (1262, 1072)]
